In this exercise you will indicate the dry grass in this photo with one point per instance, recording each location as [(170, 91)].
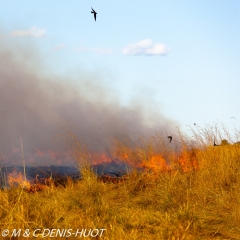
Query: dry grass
[(200, 202)]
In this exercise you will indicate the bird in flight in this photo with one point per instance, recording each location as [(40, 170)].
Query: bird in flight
[(95, 14), (170, 138)]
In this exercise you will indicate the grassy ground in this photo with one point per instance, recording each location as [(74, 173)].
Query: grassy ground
[(197, 197)]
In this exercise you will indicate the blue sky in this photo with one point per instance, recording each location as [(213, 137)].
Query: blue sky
[(180, 57)]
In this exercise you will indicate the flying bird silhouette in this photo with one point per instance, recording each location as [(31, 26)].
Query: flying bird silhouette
[(95, 14), (170, 138)]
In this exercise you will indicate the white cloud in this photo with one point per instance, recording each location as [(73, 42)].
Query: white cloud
[(32, 32), (146, 47), (59, 47), (95, 50)]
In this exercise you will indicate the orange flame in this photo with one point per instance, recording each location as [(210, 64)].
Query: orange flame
[(148, 160), (156, 163), (17, 179), (188, 161), (100, 158)]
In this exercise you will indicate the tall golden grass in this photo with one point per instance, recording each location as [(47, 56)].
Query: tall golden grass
[(195, 196)]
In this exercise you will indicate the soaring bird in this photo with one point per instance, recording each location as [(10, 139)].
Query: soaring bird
[(170, 138), (95, 14)]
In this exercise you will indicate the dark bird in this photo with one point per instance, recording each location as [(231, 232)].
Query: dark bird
[(170, 138), (195, 124), (95, 14)]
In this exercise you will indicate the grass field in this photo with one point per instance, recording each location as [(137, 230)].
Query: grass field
[(195, 196)]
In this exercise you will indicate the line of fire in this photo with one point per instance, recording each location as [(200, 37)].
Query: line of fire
[(159, 157)]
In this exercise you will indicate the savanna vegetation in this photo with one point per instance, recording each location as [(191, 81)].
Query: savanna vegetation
[(189, 191)]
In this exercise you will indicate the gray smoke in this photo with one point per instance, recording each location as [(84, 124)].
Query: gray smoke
[(39, 107)]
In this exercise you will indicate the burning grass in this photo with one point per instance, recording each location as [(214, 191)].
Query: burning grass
[(188, 194)]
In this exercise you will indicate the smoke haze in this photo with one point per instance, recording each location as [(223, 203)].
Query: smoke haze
[(38, 106)]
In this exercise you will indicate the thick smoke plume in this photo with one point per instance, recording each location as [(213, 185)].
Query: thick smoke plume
[(39, 107)]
